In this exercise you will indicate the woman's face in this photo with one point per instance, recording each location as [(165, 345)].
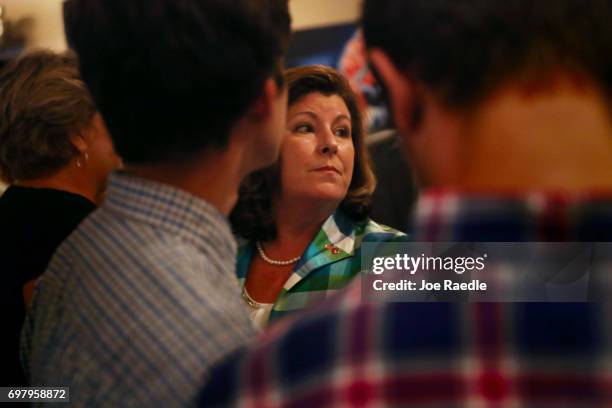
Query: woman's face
[(317, 155)]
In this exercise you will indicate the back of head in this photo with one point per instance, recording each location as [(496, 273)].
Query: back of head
[(170, 77), (43, 103), (465, 49)]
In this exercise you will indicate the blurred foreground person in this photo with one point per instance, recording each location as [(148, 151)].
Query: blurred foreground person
[(505, 108), (56, 155), (142, 298), (304, 218)]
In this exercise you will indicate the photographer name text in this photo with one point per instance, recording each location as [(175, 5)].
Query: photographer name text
[(446, 285)]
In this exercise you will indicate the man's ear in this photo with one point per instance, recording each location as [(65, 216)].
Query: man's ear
[(264, 104), (400, 90)]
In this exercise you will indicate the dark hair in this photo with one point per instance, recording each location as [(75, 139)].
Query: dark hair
[(170, 77), (465, 49), (43, 103), (253, 216)]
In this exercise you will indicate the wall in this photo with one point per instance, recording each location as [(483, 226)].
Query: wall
[(316, 13), (48, 31)]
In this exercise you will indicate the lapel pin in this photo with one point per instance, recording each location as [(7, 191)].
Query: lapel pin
[(332, 248)]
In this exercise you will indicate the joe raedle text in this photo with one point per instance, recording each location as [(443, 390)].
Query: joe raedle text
[(475, 285)]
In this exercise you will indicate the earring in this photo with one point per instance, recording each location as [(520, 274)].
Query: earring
[(85, 158)]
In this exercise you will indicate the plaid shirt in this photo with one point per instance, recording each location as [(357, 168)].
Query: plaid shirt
[(351, 354), (138, 302), (328, 264)]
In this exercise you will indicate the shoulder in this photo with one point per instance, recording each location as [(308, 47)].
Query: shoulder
[(364, 229), (114, 248), (372, 231)]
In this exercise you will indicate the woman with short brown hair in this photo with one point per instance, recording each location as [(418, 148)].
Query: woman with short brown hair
[(303, 220)]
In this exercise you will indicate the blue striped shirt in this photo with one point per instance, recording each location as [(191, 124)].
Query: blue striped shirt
[(138, 302)]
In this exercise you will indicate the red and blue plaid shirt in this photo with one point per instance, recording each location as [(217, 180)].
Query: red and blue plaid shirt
[(351, 354)]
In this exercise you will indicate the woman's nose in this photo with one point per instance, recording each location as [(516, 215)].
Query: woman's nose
[(329, 144)]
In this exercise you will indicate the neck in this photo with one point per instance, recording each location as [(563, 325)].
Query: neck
[(298, 221), (213, 176), (67, 179), (559, 139)]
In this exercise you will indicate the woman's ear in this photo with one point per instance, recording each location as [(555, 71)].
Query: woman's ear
[(400, 90)]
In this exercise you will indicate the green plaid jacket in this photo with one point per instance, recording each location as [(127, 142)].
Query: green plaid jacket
[(329, 263)]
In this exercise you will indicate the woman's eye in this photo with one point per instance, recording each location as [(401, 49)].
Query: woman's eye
[(343, 132), (303, 129)]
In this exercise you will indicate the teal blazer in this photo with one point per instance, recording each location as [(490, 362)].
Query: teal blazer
[(330, 261)]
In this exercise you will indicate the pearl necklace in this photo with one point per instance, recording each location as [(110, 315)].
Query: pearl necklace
[(274, 261)]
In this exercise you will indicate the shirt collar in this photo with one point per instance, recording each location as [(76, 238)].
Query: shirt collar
[(169, 208), (338, 230), (459, 215), (334, 242)]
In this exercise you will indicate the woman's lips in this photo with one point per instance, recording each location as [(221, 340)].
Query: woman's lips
[(327, 168)]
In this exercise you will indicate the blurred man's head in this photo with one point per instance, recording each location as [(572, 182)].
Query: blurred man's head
[(445, 63), (173, 78)]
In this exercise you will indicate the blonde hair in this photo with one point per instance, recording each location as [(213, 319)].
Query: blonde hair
[(43, 103)]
